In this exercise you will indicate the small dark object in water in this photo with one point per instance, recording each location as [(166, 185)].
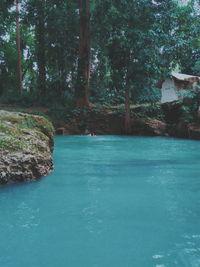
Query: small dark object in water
[(88, 133)]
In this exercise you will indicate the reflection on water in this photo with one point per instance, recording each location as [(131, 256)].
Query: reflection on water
[(111, 201)]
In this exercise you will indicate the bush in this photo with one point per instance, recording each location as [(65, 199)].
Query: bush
[(153, 111)]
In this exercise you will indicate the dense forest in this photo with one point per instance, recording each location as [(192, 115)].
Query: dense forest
[(87, 52)]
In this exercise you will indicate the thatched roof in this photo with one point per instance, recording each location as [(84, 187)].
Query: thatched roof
[(185, 77)]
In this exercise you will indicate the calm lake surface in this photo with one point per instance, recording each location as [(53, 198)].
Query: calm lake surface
[(111, 202)]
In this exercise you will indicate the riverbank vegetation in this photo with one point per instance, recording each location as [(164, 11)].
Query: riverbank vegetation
[(69, 56)]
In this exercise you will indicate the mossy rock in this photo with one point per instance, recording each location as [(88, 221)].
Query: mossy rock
[(24, 136)]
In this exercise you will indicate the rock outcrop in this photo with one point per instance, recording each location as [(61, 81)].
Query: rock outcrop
[(149, 127), (26, 145), (194, 131), (182, 118)]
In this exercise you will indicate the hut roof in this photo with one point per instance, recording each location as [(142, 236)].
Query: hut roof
[(185, 77)]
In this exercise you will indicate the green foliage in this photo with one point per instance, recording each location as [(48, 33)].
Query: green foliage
[(58, 112), (133, 43), (187, 114), (152, 111), (27, 99), (150, 97), (196, 68), (187, 94)]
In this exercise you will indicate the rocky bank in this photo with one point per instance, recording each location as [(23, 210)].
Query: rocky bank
[(179, 119), (26, 146)]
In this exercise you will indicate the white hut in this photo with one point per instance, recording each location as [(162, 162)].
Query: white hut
[(176, 84)]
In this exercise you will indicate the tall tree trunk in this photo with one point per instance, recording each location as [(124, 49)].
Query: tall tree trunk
[(127, 110), (62, 76), (62, 84), (41, 59), (19, 55), (1, 88), (1, 84), (127, 125), (83, 73)]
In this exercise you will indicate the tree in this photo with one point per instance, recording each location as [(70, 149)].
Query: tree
[(40, 47), (114, 51), (127, 126), (19, 55), (83, 73), (152, 33)]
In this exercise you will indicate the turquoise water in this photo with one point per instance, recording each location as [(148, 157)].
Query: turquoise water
[(111, 202)]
